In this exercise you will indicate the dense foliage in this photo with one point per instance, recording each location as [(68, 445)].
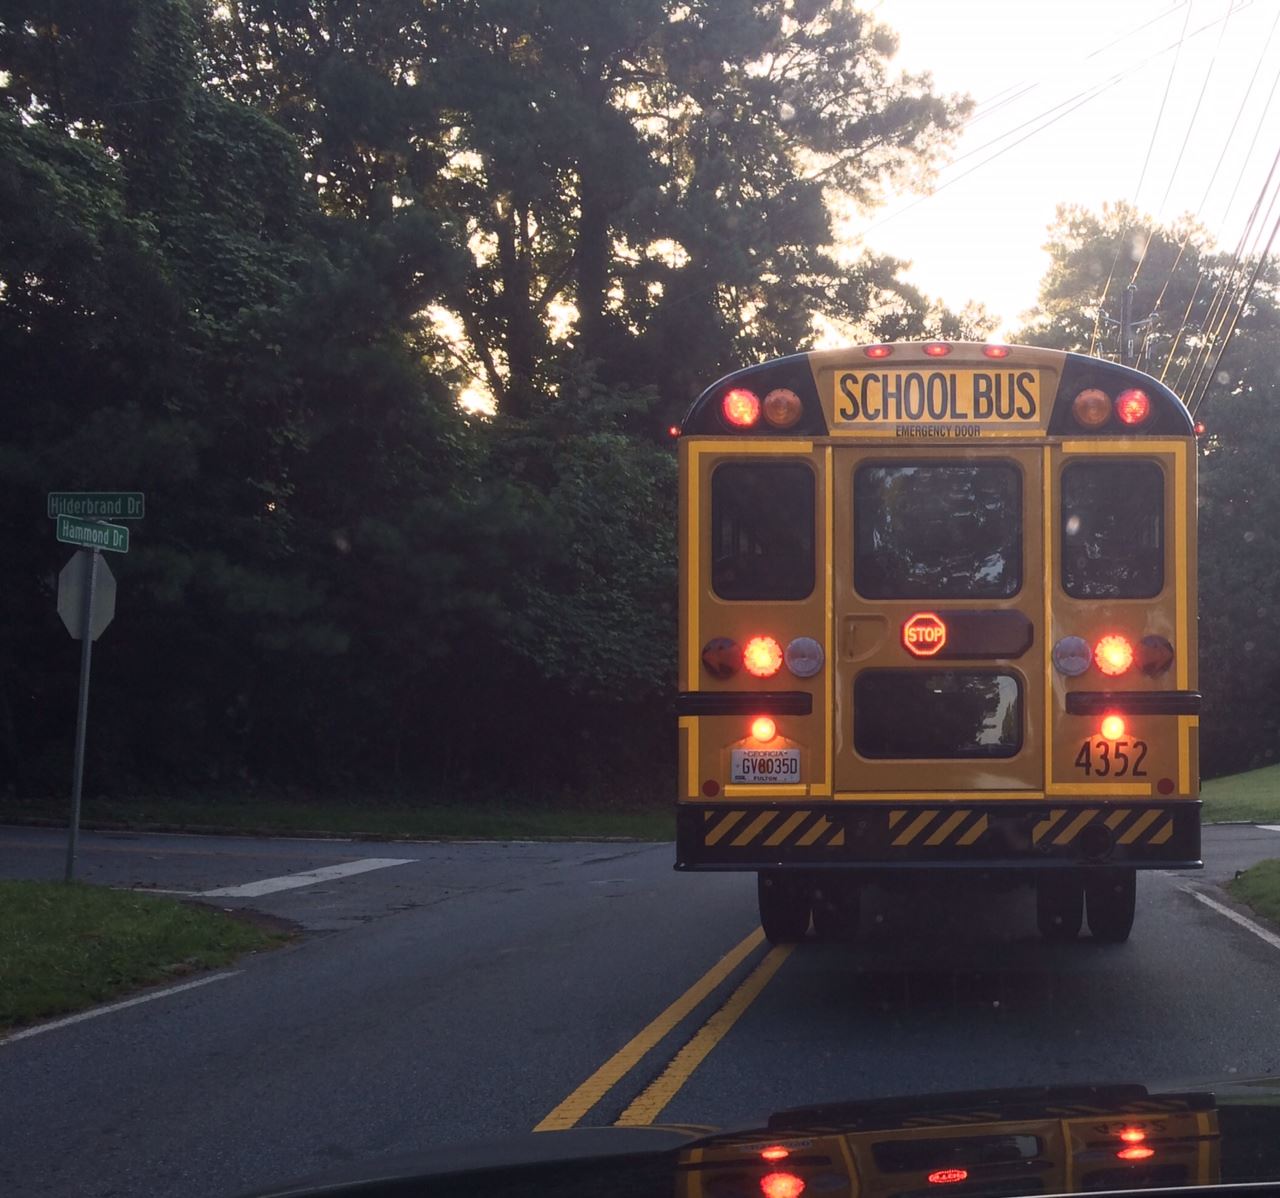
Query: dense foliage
[(252, 253)]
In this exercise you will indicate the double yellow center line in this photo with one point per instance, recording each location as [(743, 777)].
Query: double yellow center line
[(652, 1101)]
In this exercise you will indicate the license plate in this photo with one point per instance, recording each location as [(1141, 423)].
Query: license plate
[(765, 765)]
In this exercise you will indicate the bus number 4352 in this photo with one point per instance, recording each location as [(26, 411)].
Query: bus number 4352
[(1112, 758)]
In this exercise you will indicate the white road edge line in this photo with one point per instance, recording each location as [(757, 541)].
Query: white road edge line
[(115, 1006), (1270, 937), (1268, 827), (307, 878)]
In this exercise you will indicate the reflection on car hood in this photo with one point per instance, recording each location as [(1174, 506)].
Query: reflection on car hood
[(980, 1144)]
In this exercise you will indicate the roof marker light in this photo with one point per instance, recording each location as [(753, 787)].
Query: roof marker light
[(741, 408), (996, 351), (1132, 1135), (877, 351), (944, 1177), (937, 349), (775, 1152)]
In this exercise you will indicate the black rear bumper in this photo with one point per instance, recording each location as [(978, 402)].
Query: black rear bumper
[(951, 833)]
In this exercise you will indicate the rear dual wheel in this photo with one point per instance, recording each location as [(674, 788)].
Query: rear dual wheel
[(788, 899), (1108, 896)]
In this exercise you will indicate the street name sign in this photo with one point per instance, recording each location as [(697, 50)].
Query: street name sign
[(98, 505), (93, 534)]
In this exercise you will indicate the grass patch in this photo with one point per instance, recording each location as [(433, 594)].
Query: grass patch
[(479, 820), (1259, 888), (1252, 797), (64, 947)]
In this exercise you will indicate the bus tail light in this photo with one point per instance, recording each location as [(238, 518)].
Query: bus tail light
[(782, 407), (763, 729), (741, 408), (781, 1185), (1091, 408), (1133, 406), (1155, 655), (1112, 728), (1072, 656), (1132, 1135), (1113, 655), (1138, 1152), (762, 656), (804, 657), (721, 657)]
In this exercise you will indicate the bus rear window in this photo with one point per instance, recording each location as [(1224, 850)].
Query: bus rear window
[(762, 530), (936, 714), (938, 531), (1112, 530)]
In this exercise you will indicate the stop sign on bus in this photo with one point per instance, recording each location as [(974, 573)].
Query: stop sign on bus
[(924, 634)]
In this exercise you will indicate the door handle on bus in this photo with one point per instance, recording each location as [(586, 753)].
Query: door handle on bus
[(861, 636)]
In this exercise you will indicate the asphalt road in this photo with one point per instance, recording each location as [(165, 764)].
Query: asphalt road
[(477, 990)]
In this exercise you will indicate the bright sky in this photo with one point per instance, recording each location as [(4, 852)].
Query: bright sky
[(1027, 62)]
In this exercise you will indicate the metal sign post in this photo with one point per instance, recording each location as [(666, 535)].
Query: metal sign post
[(87, 597), (82, 709)]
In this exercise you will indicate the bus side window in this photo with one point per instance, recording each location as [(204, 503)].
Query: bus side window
[(762, 530), (1113, 530)]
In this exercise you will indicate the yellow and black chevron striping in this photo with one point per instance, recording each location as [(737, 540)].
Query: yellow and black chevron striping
[(1059, 827), (770, 829)]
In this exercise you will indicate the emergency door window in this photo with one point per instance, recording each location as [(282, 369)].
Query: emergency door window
[(937, 531), (1113, 530), (936, 714), (762, 530)]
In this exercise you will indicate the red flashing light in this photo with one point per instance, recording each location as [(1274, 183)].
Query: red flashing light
[(996, 351), (1113, 655), (782, 407), (878, 351), (1199, 426), (946, 1177), (1133, 406), (741, 407), (924, 634), (775, 1152), (936, 349), (1136, 1153), (1132, 1135), (762, 656), (782, 1185), (673, 431)]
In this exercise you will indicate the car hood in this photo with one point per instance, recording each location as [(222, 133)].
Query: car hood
[(978, 1144)]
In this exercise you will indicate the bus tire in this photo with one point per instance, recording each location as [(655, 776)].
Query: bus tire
[(837, 906), (784, 906), (1111, 897), (1059, 905)]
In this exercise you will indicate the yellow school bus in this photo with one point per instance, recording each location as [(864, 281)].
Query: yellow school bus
[(938, 612), (1062, 1140)]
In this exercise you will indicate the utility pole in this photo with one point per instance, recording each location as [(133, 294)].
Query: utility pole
[(1129, 327)]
